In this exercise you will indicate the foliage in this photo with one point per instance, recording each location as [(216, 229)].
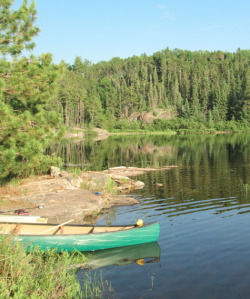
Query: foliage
[(17, 28), (26, 84), (110, 185), (30, 275), (199, 85), (151, 149), (94, 287), (26, 128)]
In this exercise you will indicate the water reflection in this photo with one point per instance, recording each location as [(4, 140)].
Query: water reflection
[(203, 208), (141, 254), (154, 151)]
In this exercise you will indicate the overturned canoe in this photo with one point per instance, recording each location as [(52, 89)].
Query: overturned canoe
[(73, 237)]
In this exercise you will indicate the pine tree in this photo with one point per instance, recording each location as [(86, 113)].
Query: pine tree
[(71, 93), (197, 82), (246, 96), (16, 27), (195, 107), (78, 65), (26, 129)]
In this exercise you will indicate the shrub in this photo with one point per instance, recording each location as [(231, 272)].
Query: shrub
[(37, 274)]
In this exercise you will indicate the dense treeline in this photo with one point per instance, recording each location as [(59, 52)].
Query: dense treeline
[(203, 86), (196, 91)]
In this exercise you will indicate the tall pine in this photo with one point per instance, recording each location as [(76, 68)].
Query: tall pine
[(26, 84)]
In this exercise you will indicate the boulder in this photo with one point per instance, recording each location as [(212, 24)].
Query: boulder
[(55, 171)]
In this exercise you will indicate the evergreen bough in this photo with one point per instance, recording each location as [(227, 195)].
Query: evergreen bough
[(26, 84)]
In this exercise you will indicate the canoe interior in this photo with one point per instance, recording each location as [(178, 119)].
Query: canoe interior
[(53, 229)]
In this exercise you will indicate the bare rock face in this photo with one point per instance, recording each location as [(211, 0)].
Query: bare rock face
[(120, 200), (55, 171), (70, 204), (65, 174), (59, 196), (75, 181), (139, 185), (101, 132), (79, 134)]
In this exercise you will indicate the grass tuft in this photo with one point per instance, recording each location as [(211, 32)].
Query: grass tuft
[(95, 287), (110, 186), (37, 274), (40, 274)]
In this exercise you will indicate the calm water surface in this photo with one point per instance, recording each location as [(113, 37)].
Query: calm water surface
[(203, 206)]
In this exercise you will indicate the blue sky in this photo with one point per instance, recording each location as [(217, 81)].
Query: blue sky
[(102, 29)]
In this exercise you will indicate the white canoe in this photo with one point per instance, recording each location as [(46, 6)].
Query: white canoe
[(22, 219)]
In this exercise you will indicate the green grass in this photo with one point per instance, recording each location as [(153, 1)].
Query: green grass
[(110, 186), (42, 274), (124, 180), (37, 274), (76, 171), (95, 287)]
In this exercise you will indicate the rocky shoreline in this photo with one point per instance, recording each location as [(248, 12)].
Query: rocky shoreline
[(62, 196)]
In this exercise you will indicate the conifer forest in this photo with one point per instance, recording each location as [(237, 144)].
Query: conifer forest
[(202, 85), (199, 90)]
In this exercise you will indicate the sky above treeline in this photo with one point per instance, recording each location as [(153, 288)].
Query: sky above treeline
[(99, 30)]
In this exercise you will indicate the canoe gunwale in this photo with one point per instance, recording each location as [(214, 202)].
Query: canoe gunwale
[(79, 225)]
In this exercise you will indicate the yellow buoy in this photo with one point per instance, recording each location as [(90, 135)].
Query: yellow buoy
[(139, 222)]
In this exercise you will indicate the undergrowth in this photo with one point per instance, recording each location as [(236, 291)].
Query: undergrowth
[(40, 274)]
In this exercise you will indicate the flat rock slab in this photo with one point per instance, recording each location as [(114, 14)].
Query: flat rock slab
[(120, 200), (57, 200), (134, 171), (74, 204), (65, 205)]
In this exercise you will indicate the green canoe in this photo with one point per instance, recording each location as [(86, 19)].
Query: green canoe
[(72, 237)]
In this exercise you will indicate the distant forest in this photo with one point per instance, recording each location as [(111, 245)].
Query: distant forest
[(178, 91), (203, 86)]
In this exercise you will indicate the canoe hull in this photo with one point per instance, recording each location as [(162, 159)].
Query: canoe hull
[(94, 241)]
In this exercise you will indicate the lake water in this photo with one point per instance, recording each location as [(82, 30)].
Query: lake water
[(203, 206)]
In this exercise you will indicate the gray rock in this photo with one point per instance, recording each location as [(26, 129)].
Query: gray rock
[(139, 185), (55, 171)]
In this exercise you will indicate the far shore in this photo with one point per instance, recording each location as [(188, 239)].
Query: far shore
[(101, 134)]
